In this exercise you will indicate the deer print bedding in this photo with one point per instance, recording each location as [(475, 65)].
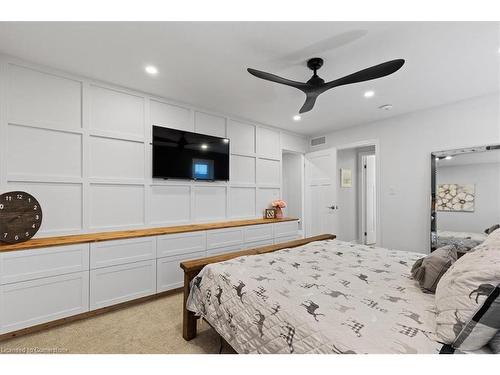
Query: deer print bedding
[(323, 297)]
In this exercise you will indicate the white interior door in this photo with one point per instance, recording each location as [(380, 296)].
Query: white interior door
[(371, 201), (321, 192)]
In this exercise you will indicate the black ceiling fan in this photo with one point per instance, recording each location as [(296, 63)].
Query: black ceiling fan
[(316, 85)]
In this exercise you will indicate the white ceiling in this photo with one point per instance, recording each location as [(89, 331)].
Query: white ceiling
[(204, 64)]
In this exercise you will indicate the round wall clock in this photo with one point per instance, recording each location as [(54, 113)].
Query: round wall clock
[(20, 216)]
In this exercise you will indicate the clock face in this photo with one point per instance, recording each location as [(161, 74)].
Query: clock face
[(20, 216)]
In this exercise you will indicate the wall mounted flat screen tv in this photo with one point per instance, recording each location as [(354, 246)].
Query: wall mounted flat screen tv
[(178, 154)]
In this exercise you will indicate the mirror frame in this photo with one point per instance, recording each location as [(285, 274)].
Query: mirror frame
[(436, 155)]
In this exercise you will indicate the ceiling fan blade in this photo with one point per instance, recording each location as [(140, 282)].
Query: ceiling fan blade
[(277, 79), (309, 103), (377, 71)]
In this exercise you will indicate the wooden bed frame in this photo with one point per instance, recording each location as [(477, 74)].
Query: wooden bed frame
[(193, 267)]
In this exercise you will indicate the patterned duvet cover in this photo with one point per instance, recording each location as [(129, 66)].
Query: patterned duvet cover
[(323, 297)]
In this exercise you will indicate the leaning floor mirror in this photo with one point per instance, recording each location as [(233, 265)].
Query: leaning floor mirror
[(465, 196)]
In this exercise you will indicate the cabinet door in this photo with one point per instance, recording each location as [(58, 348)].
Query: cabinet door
[(181, 243), (286, 239), (225, 249), (112, 253), (286, 229), (112, 285), (255, 244), (27, 265), (33, 302), (258, 232), (169, 274), (224, 237)]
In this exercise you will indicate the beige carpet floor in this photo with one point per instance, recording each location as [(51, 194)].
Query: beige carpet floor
[(149, 327)]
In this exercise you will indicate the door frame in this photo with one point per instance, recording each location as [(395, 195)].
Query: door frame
[(362, 195), (367, 143)]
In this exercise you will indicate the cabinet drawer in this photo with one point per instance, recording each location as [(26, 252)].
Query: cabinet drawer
[(33, 302), (258, 232), (112, 285), (252, 245), (182, 243), (224, 237), (225, 249), (112, 253), (26, 265), (169, 274), (289, 228), (286, 239)]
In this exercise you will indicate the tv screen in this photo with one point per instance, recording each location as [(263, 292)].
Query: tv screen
[(179, 154)]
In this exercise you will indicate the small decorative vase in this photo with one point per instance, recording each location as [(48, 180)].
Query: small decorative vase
[(279, 213)]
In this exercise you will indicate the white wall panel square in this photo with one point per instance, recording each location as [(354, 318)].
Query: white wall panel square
[(115, 158), (114, 205), (42, 99), (116, 111), (41, 152), (209, 124), (242, 137), (292, 142), (209, 202), (268, 143), (170, 204), (61, 204), (268, 172), (171, 116), (242, 169), (264, 198), (242, 202)]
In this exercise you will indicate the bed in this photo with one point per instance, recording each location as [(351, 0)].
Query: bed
[(322, 296), (463, 240)]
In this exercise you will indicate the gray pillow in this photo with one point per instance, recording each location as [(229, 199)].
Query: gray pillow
[(429, 270), (495, 343)]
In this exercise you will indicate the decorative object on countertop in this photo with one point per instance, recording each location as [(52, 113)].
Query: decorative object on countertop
[(345, 177), (20, 216), (456, 197), (270, 213), (278, 205)]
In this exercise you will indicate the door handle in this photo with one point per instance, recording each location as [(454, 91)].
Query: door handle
[(333, 207)]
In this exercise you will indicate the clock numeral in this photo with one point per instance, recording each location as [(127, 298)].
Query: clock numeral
[(27, 234), (35, 207), (19, 196), (37, 217), (29, 200), (8, 198), (5, 235), (33, 226), (16, 237)]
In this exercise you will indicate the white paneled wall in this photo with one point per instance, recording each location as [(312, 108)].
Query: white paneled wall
[(83, 149)]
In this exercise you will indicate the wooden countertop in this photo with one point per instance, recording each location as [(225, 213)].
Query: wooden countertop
[(35, 243)]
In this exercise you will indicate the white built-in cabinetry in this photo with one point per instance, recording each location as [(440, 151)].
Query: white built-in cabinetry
[(45, 284)]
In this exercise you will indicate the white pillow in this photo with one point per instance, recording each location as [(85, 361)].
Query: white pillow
[(462, 291)]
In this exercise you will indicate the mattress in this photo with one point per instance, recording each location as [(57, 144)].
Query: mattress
[(323, 297)]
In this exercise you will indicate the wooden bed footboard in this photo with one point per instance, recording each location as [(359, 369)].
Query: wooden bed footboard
[(193, 267)]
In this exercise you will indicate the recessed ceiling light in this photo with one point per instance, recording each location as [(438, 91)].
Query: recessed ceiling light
[(297, 118), (386, 107), (150, 69), (369, 93), (449, 157), (204, 146)]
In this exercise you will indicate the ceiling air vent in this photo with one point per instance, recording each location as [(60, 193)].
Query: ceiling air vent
[(318, 141)]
